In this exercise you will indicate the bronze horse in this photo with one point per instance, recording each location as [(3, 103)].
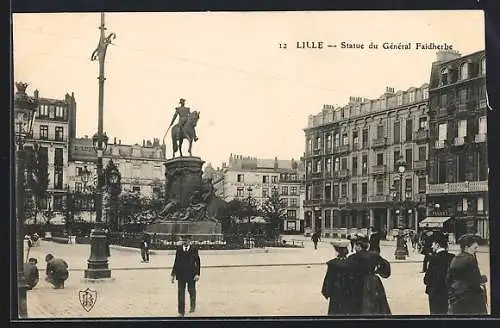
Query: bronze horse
[(187, 133)]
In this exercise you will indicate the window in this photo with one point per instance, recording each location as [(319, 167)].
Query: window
[(483, 66), (355, 138), (409, 158), (44, 131), (293, 190), (411, 96), (425, 93), (409, 184), (337, 164), (44, 110), (365, 138), (354, 192), (483, 127), (463, 95), (344, 163), (265, 192), (284, 191), (409, 129), (309, 145), (58, 203), (78, 187), (284, 202), (422, 181), (58, 157), (380, 159), (308, 171), (328, 219), (354, 166), (442, 131), (462, 128), (397, 132), (328, 191), (397, 154), (136, 189), (380, 131), (345, 139), (335, 191), (52, 111), (464, 71), (274, 179), (364, 188), (444, 76), (239, 192), (318, 166), (343, 191), (461, 166), (400, 99), (291, 214), (59, 133), (337, 140), (293, 202), (379, 187), (442, 170), (480, 204), (364, 164), (328, 142), (318, 143), (422, 153), (60, 112), (423, 124), (328, 165)]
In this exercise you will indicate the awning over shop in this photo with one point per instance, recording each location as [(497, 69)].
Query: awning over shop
[(433, 221)]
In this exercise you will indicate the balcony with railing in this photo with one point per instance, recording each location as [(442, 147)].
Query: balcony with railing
[(421, 135), (342, 200), (342, 149), (420, 165), (342, 174), (379, 198), (316, 175), (379, 142), (379, 169), (459, 141), (442, 111), (458, 187), (312, 202), (479, 138)]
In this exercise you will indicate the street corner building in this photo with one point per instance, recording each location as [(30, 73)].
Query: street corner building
[(437, 128)]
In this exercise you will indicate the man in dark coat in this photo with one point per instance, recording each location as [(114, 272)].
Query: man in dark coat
[(56, 271), (145, 248), (31, 274), (186, 270), (466, 294), (368, 292), (375, 240), (426, 249), (337, 282), (315, 238), (435, 277)]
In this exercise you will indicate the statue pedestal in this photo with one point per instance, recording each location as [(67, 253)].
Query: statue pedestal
[(183, 178)]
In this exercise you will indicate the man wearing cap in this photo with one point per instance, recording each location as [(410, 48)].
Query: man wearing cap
[(466, 294), (337, 282), (186, 270), (435, 277), (368, 292), (183, 113), (56, 271), (316, 236), (31, 274), (375, 240)]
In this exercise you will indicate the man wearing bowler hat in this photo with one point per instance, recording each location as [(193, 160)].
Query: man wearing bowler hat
[(435, 276), (186, 270)]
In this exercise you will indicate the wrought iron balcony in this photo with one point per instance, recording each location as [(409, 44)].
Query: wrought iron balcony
[(342, 200), (342, 174), (379, 169), (380, 142), (312, 202), (420, 165), (459, 141), (342, 149), (458, 187), (379, 198), (479, 138)]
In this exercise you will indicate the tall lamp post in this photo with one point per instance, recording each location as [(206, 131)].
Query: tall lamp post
[(98, 262), (400, 253), (24, 111)]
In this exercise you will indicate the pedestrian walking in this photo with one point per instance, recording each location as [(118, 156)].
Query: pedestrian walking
[(186, 270), (368, 292), (145, 245), (56, 271), (375, 240), (315, 238), (467, 294), (414, 241), (435, 278), (337, 282), (426, 249), (31, 274)]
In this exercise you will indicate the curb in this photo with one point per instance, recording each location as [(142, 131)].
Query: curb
[(236, 266), (208, 251)]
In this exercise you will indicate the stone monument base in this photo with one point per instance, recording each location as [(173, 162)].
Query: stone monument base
[(199, 231)]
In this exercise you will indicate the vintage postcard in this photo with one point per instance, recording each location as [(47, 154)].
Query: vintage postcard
[(240, 164)]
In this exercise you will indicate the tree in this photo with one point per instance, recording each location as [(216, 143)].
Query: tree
[(112, 191), (37, 180), (274, 211), (130, 205)]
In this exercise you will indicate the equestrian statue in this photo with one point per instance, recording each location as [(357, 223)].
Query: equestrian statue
[(184, 129)]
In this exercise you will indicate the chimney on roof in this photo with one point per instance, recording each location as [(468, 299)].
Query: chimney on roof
[(389, 91), (114, 141), (143, 143), (120, 141)]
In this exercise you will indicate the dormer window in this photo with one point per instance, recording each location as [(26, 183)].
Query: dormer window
[(425, 93), (411, 96), (444, 76), (464, 71), (400, 99)]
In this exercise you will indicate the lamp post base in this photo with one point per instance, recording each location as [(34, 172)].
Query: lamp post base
[(98, 267), (400, 253)]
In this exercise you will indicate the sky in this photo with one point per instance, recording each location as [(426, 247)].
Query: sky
[(254, 97)]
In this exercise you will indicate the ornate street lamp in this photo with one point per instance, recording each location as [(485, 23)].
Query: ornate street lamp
[(400, 253), (98, 267), (24, 111)]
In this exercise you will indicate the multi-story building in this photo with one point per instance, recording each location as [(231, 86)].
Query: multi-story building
[(53, 127), (141, 167), (458, 175), (257, 178), (351, 153)]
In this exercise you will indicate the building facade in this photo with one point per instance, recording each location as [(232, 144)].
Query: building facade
[(141, 168), (352, 181), (263, 176), (458, 157), (53, 127)]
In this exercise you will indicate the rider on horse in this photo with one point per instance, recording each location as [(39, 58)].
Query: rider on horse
[(183, 113)]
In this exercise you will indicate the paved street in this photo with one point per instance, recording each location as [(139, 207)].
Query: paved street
[(253, 288)]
